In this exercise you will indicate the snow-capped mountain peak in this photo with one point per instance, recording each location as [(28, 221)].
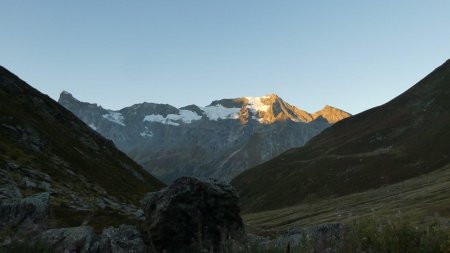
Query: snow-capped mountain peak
[(219, 140)]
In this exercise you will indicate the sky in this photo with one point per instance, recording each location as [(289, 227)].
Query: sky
[(353, 55)]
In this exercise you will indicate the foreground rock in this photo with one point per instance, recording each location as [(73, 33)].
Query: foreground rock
[(23, 224), (194, 216), (28, 215), (189, 216)]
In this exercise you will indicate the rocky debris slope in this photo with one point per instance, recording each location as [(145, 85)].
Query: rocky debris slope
[(193, 215), (24, 221), (219, 140)]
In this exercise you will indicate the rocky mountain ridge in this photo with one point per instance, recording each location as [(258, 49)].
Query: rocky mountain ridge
[(219, 140)]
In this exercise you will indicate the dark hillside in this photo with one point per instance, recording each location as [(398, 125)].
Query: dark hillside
[(44, 147), (404, 138)]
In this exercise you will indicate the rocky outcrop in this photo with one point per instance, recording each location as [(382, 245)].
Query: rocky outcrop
[(20, 217), (219, 141), (193, 215), (189, 216), (9, 191), (24, 214), (25, 220)]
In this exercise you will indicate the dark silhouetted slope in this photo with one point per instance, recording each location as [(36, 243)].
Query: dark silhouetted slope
[(45, 148)]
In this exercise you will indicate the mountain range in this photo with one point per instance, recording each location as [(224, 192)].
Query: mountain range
[(407, 137), (217, 141)]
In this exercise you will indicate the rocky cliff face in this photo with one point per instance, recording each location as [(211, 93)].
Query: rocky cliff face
[(219, 140)]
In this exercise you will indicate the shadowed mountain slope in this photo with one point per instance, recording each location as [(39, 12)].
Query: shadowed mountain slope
[(404, 138), (45, 148)]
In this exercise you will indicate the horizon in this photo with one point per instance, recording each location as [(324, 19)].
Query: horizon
[(352, 56), (178, 107)]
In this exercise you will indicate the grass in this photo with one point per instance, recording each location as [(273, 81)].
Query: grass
[(397, 237), (367, 236), (421, 200), (410, 216), (62, 216)]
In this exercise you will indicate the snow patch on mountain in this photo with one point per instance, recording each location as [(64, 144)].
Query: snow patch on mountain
[(160, 119), (219, 112), (93, 126), (115, 117), (256, 104), (184, 116), (212, 112)]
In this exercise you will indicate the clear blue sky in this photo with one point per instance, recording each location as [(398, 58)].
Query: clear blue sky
[(350, 54)]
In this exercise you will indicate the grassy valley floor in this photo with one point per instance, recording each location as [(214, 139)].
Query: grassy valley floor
[(422, 200)]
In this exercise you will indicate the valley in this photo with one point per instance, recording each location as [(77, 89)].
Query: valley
[(224, 126), (64, 184), (424, 200)]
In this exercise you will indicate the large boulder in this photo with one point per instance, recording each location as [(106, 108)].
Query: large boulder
[(193, 216)]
